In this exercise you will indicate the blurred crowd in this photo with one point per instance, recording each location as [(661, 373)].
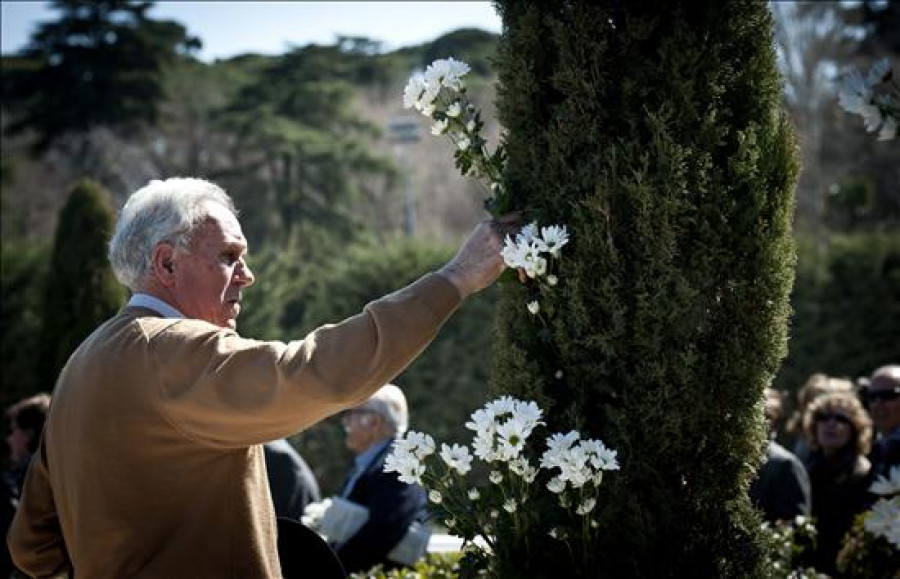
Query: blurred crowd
[(842, 435)]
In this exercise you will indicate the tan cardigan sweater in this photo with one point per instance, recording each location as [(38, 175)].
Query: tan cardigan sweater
[(150, 464)]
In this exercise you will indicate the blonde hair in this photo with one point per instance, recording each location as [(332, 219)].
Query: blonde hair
[(849, 405), (815, 386)]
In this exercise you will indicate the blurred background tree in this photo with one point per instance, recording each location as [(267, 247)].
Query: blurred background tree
[(80, 291), (100, 65)]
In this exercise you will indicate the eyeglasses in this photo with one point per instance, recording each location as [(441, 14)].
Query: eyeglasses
[(826, 416), (347, 415), (887, 394)]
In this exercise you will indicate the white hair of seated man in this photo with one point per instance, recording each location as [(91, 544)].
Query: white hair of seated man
[(389, 403)]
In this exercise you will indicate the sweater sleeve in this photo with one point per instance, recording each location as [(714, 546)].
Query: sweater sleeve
[(35, 538), (227, 391)]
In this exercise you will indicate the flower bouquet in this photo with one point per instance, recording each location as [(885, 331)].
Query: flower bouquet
[(872, 546), (879, 109), (568, 474)]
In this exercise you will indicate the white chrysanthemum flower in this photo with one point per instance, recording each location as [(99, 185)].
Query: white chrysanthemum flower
[(474, 494), (501, 406), (510, 506), (513, 434), (494, 513), (594, 524), (854, 92), (533, 307), (888, 129), (556, 485), (554, 532), (887, 485), (552, 280), (555, 237), (451, 522), (435, 497), (463, 143), (558, 375), (439, 127), (483, 420), (883, 520), (528, 411), (457, 457), (408, 467), (454, 110), (483, 447), (879, 72), (872, 116), (586, 506), (420, 444), (447, 72), (527, 233), (470, 127), (413, 91), (496, 477)]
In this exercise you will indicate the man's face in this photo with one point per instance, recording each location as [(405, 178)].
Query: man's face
[(362, 428), (884, 404), (208, 278)]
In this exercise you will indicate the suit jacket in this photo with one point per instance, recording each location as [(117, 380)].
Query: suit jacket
[(151, 462), (781, 489), (291, 481), (393, 505)]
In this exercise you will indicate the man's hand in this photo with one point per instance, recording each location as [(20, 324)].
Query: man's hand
[(478, 262)]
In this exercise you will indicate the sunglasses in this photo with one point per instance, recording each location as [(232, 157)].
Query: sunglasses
[(887, 395), (826, 416)]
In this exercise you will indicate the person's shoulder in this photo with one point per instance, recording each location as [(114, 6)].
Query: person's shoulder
[(781, 454)]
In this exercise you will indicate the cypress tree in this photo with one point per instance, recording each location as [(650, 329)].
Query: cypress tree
[(81, 290), (653, 131)]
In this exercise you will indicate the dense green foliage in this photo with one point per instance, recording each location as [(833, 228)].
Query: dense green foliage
[(100, 64), (846, 304), (443, 386), (305, 147), (654, 133), (23, 266), (81, 290)]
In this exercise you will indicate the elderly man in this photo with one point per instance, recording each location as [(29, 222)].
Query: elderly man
[(370, 430), (151, 462), (883, 396)]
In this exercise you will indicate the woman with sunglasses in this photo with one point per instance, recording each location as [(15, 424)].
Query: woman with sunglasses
[(840, 434)]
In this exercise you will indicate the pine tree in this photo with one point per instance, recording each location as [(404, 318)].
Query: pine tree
[(653, 131), (81, 290)]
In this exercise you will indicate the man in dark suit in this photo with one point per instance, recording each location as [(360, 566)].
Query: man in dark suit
[(781, 490), (291, 482), (370, 431)]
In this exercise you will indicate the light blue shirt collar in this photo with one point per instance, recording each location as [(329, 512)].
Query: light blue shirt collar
[(140, 300)]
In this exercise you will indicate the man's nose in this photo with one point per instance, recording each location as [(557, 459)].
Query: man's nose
[(244, 275)]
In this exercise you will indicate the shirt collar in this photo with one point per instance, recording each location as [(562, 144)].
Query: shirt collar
[(140, 300), (361, 461)]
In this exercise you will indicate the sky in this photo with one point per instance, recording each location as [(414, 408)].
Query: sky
[(230, 28)]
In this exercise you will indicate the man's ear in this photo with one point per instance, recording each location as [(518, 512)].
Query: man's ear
[(163, 263)]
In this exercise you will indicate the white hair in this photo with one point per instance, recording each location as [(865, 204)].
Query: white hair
[(390, 403), (162, 211)]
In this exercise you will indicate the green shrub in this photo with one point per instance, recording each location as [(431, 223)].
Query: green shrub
[(846, 302), (81, 290), (653, 131), (24, 265)]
